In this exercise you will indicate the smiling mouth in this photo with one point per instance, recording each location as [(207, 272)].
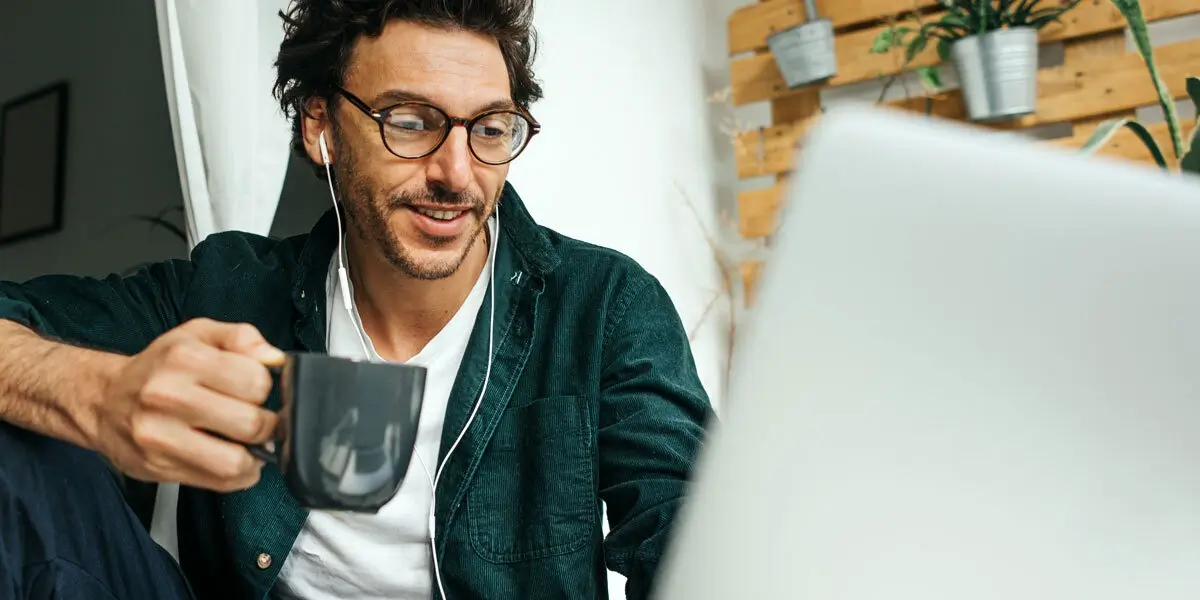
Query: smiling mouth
[(440, 215)]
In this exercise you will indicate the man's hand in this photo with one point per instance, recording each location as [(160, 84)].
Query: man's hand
[(160, 409)]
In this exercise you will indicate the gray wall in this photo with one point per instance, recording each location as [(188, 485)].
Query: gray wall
[(120, 155)]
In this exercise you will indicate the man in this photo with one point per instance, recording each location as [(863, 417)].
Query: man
[(592, 394)]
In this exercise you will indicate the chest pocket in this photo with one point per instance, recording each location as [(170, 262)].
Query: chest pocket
[(534, 494)]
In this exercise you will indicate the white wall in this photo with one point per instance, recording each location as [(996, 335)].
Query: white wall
[(624, 123)]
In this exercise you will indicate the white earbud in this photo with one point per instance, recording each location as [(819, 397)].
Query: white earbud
[(324, 149), (343, 278)]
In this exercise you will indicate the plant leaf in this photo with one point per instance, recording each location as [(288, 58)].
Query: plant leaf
[(883, 42), (930, 78), (951, 26), (1191, 160), (165, 224), (963, 14), (943, 49), (889, 38), (1021, 12), (1044, 21), (1108, 129), (916, 47), (1132, 11), (1193, 90)]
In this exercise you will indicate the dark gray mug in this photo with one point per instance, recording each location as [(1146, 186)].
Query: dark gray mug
[(346, 430)]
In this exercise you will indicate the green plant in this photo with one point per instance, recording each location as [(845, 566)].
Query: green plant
[(1187, 149), (963, 18), (161, 219)]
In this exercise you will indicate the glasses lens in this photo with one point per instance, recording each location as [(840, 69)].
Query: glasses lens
[(412, 130), (497, 138)]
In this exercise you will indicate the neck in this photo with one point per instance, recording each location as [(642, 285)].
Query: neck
[(400, 313)]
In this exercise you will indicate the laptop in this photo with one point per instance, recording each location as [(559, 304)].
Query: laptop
[(973, 373)]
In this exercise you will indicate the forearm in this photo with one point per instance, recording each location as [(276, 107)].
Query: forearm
[(48, 387)]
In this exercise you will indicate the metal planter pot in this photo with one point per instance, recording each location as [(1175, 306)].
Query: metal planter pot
[(998, 72), (804, 53)]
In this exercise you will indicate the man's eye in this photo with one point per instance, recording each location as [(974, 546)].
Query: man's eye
[(492, 129), (408, 123)]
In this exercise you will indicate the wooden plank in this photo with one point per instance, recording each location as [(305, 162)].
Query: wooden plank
[(757, 78), (773, 149), (1092, 47), (750, 25), (803, 106), (758, 210), (1097, 86), (751, 271), (797, 106)]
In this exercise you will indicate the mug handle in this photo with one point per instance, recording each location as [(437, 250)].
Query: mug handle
[(267, 452)]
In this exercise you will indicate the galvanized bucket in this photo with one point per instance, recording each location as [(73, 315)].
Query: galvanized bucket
[(998, 72), (804, 53)]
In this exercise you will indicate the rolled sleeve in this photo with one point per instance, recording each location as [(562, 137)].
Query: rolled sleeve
[(116, 314)]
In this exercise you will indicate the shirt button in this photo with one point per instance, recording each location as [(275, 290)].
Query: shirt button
[(264, 561)]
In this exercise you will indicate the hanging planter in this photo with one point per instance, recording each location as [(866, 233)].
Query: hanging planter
[(993, 45), (998, 73), (804, 53)]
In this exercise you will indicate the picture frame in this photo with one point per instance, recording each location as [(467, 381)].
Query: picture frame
[(33, 140)]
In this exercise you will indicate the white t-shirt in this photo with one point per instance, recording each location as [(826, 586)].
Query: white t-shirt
[(339, 555)]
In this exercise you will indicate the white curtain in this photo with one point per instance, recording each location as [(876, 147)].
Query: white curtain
[(231, 139)]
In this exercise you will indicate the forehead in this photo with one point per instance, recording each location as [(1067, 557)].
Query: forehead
[(458, 70)]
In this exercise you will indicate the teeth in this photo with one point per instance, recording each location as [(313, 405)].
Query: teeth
[(441, 215)]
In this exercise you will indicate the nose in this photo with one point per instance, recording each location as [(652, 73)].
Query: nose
[(451, 164)]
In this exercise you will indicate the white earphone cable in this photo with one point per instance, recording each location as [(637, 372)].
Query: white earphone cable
[(487, 375)]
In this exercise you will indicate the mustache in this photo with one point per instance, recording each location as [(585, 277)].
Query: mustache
[(436, 195)]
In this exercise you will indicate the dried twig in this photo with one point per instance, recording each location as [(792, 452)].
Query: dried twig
[(726, 267)]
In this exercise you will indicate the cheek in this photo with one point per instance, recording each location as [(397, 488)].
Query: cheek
[(491, 181), (390, 181)]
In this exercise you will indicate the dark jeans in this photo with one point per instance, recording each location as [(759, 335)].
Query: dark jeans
[(66, 532)]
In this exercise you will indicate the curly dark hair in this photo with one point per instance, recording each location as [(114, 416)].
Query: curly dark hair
[(319, 35)]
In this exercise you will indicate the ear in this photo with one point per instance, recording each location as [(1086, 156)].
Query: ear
[(314, 120)]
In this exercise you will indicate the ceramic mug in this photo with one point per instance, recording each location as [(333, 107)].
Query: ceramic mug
[(346, 431)]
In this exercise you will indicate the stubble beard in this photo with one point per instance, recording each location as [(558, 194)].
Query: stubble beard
[(368, 211)]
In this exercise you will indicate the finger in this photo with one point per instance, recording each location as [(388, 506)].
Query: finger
[(194, 362), (176, 394), (198, 459), (239, 338), (234, 375)]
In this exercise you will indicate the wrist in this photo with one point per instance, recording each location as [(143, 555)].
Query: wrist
[(96, 382)]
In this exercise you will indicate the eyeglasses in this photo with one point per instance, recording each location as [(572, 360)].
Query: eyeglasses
[(415, 130)]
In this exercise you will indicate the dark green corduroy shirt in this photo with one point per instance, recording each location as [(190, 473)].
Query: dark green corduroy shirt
[(593, 397)]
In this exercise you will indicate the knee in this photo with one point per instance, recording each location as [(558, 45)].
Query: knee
[(45, 466)]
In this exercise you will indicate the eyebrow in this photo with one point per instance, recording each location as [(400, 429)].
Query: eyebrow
[(396, 96)]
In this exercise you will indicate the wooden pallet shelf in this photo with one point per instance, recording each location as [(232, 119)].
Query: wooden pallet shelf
[(1098, 79)]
